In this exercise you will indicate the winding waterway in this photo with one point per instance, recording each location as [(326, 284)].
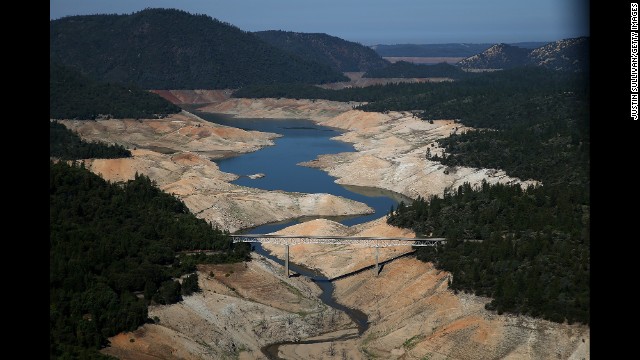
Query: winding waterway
[(302, 140)]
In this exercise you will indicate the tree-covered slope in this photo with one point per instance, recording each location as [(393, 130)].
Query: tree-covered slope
[(499, 56), (563, 55), (404, 69), (64, 144), (172, 49), (74, 96), (534, 257), (532, 122), (112, 251), (443, 50), (340, 54)]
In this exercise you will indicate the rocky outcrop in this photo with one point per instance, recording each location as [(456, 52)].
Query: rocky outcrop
[(563, 55), (499, 56), (566, 55)]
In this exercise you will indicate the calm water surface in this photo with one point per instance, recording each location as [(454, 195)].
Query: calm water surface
[(302, 141)]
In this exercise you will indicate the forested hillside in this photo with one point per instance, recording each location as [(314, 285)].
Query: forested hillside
[(74, 96), (534, 257), (112, 251), (403, 69), (337, 53), (64, 144), (534, 124), (562, 55), (172, 49), (443, 50)]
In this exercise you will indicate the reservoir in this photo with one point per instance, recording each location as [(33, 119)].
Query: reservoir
[(302, 140)]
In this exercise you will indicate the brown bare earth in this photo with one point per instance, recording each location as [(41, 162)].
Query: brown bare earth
[(241, 308), (180, 97), (394, 151), (412, 313), (185, 169), (178, 132), (279, 108), (392, 147)]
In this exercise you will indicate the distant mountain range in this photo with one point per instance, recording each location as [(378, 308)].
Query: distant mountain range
[(442, 50), (567, 55), (341, 55), (172, 49)]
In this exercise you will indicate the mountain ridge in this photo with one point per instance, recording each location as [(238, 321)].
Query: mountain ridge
[(565, 55), (340, 54), (194, 52)]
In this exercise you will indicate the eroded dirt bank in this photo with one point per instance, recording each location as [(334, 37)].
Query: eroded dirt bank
[(242, 307), (412, 313), (176, 151), (391, 148), (175, 133)]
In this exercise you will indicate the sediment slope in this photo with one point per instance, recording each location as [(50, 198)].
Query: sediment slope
[(242, 307), (178, 132), (176, 153), (280, 108), (412, 312), (391, 148), (394, 152)]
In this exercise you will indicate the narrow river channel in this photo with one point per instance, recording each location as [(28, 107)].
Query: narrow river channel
[(302, 140)]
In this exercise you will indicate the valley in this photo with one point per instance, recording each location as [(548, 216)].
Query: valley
[(172, 129), (237, 316)]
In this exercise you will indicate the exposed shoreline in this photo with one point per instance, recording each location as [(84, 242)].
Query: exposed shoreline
[(390, 148), (187, 171), (255, 305)]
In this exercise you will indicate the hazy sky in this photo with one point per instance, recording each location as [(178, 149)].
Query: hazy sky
[(376, 21)]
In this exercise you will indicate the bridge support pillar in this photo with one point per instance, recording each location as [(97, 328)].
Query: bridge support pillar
[(377, 264), (286, 260)]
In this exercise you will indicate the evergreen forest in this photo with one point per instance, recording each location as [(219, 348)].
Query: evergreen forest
[(165, 49), (533, 123), (64, 144), (75, 96), (113, 250)]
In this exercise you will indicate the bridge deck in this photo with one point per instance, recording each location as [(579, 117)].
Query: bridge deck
[(337, 240)]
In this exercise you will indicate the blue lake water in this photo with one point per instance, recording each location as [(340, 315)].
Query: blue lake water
[(302, 140)]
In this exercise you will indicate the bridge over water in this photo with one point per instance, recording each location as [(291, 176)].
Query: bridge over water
[(374, 242)]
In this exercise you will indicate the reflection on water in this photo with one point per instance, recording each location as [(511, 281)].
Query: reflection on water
[(377, 192)]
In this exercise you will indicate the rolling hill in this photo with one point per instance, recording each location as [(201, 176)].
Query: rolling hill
[(442, 50), (566, 55), (172, 49), (499, 56), (341, 55)]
